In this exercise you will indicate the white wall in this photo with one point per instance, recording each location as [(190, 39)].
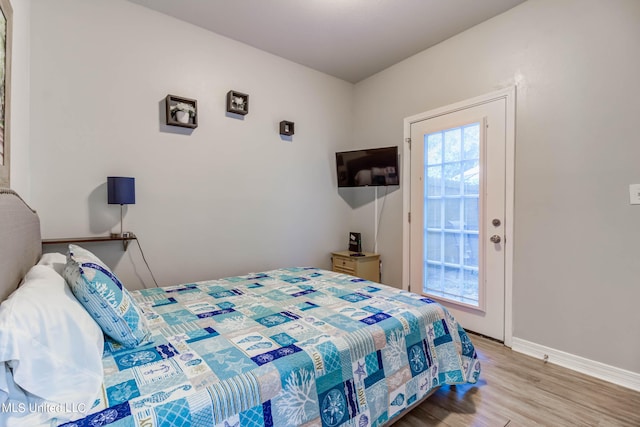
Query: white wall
[(99, 72), (576, 67), (229, 197), (20, 130)]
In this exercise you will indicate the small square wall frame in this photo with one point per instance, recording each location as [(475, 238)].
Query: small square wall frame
[(286, 128), (181, 111), (237, 103)]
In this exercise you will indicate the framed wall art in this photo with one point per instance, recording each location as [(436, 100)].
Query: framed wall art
[(287, 128), (237, 103), (6, 26), (181, 111)]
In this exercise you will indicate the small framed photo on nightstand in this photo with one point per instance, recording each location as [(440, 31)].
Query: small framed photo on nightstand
[(355, 242)]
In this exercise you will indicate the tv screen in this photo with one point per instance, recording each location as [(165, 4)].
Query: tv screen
[(362, 168)]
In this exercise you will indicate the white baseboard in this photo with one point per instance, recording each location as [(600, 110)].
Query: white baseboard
[(577, 363)]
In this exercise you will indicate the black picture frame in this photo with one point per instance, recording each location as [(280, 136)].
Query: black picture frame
[(175, 114), (355, 242), (287, 128), (237, 103)]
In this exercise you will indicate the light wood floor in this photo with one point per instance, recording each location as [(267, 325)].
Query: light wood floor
[(517, 390)]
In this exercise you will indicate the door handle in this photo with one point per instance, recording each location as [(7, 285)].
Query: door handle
[(495, 238)]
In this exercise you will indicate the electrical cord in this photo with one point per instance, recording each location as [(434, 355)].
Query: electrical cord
[(146, 263), (384, 199)]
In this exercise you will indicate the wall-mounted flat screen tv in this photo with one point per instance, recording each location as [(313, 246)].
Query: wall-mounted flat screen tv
[(362, 168)]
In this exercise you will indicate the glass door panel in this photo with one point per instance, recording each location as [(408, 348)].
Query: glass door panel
[(451, 213)]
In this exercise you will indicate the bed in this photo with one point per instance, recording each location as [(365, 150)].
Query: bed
[(286, 347)]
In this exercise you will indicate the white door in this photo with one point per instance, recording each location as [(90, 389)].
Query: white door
[(457, 213)]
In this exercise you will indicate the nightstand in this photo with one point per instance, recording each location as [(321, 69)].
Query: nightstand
[(366, 266)]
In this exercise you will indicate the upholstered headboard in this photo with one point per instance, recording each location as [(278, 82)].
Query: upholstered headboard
[(20, 240)]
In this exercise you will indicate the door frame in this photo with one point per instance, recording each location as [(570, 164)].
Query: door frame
[(509, 95)]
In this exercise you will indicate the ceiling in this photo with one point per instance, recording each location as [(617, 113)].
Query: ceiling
[(348, 39)]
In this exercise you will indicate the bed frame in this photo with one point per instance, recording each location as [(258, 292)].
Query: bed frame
[(20, 240)]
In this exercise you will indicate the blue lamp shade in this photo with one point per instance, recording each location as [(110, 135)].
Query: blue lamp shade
[(121, 190)]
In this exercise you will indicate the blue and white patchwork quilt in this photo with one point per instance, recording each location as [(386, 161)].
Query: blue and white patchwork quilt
[(288, 347)]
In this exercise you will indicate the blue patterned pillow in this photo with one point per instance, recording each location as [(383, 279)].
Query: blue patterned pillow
[(104, 297)]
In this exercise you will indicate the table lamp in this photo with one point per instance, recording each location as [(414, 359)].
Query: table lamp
[(121, 191)]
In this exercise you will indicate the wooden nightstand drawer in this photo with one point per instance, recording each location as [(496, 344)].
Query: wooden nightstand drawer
[(345, 263), (366, 266), (350, 271)]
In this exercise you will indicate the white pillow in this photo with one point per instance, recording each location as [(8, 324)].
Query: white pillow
[(24, 409), (4, 383), (54, 260), (50, 343)]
